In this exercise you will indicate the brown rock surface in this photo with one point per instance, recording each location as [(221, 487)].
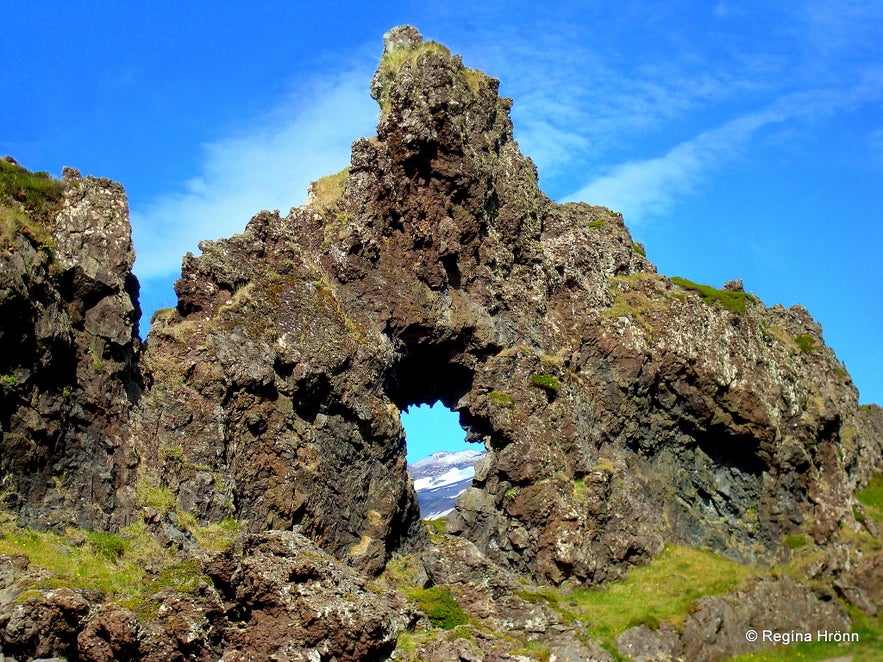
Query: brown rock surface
[(620, 409), (68, 356)]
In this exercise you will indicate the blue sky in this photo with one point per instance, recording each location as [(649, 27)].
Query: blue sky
[(739, 139)]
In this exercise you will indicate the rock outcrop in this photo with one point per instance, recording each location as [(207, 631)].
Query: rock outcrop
[(68, 350), (620, 409)]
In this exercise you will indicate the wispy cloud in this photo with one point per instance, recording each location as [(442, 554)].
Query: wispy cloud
[(642, 189), (267, 165)]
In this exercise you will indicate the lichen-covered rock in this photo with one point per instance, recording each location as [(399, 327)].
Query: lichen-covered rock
[(298, 603), (68, 354)]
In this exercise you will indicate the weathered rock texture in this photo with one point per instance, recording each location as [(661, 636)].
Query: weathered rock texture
[(620, 409), (276, 597), (68, 357)]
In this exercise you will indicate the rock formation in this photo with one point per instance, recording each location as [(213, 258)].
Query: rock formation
[(620, 409), (68, 350)]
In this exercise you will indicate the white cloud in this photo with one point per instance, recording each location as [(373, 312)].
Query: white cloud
[(267, 165), (642, 189)]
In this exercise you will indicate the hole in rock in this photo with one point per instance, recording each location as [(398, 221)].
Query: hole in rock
[(440, 459)]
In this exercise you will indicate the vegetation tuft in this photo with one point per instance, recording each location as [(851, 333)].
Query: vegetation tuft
[(440, 607), (733, 301), (546, 382), (663, 590), (872, 498), (393, 62), (327, 192), (806, 343), (501, 399), (26, 201)]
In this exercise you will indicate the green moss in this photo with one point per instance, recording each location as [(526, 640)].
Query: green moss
[(154, 496), (436, 528), (735, 302), (806, 343), (26, 202), (440, 607), (501, 399), (796, 540), (872, 497), (546, 382), (172, 454)]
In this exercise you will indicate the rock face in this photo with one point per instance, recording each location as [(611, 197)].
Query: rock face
[(619, 409), (68, 351)]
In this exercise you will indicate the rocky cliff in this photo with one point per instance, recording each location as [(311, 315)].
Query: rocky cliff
[(68, 350), (621, 410)]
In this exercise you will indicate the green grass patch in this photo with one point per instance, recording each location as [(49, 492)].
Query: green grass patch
[(501, 399), (639, 249), (26, 201), (868, 647), (391, 63), (546, 382), (806, 343), (735, 302), (440, 607), (663, 590), (436, 528), (796, 540), (327, 192), (85, 559), (597, 224), (872, 497)]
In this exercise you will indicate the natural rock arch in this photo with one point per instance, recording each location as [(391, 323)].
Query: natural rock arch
[(620, 409)]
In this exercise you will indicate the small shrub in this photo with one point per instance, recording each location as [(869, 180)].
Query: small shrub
[(796, 540), (546, 382), (440, 607), (639, 249), (10, 380), (806, 343)]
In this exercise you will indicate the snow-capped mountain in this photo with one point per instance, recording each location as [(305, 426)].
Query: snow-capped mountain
[(440, 478)]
